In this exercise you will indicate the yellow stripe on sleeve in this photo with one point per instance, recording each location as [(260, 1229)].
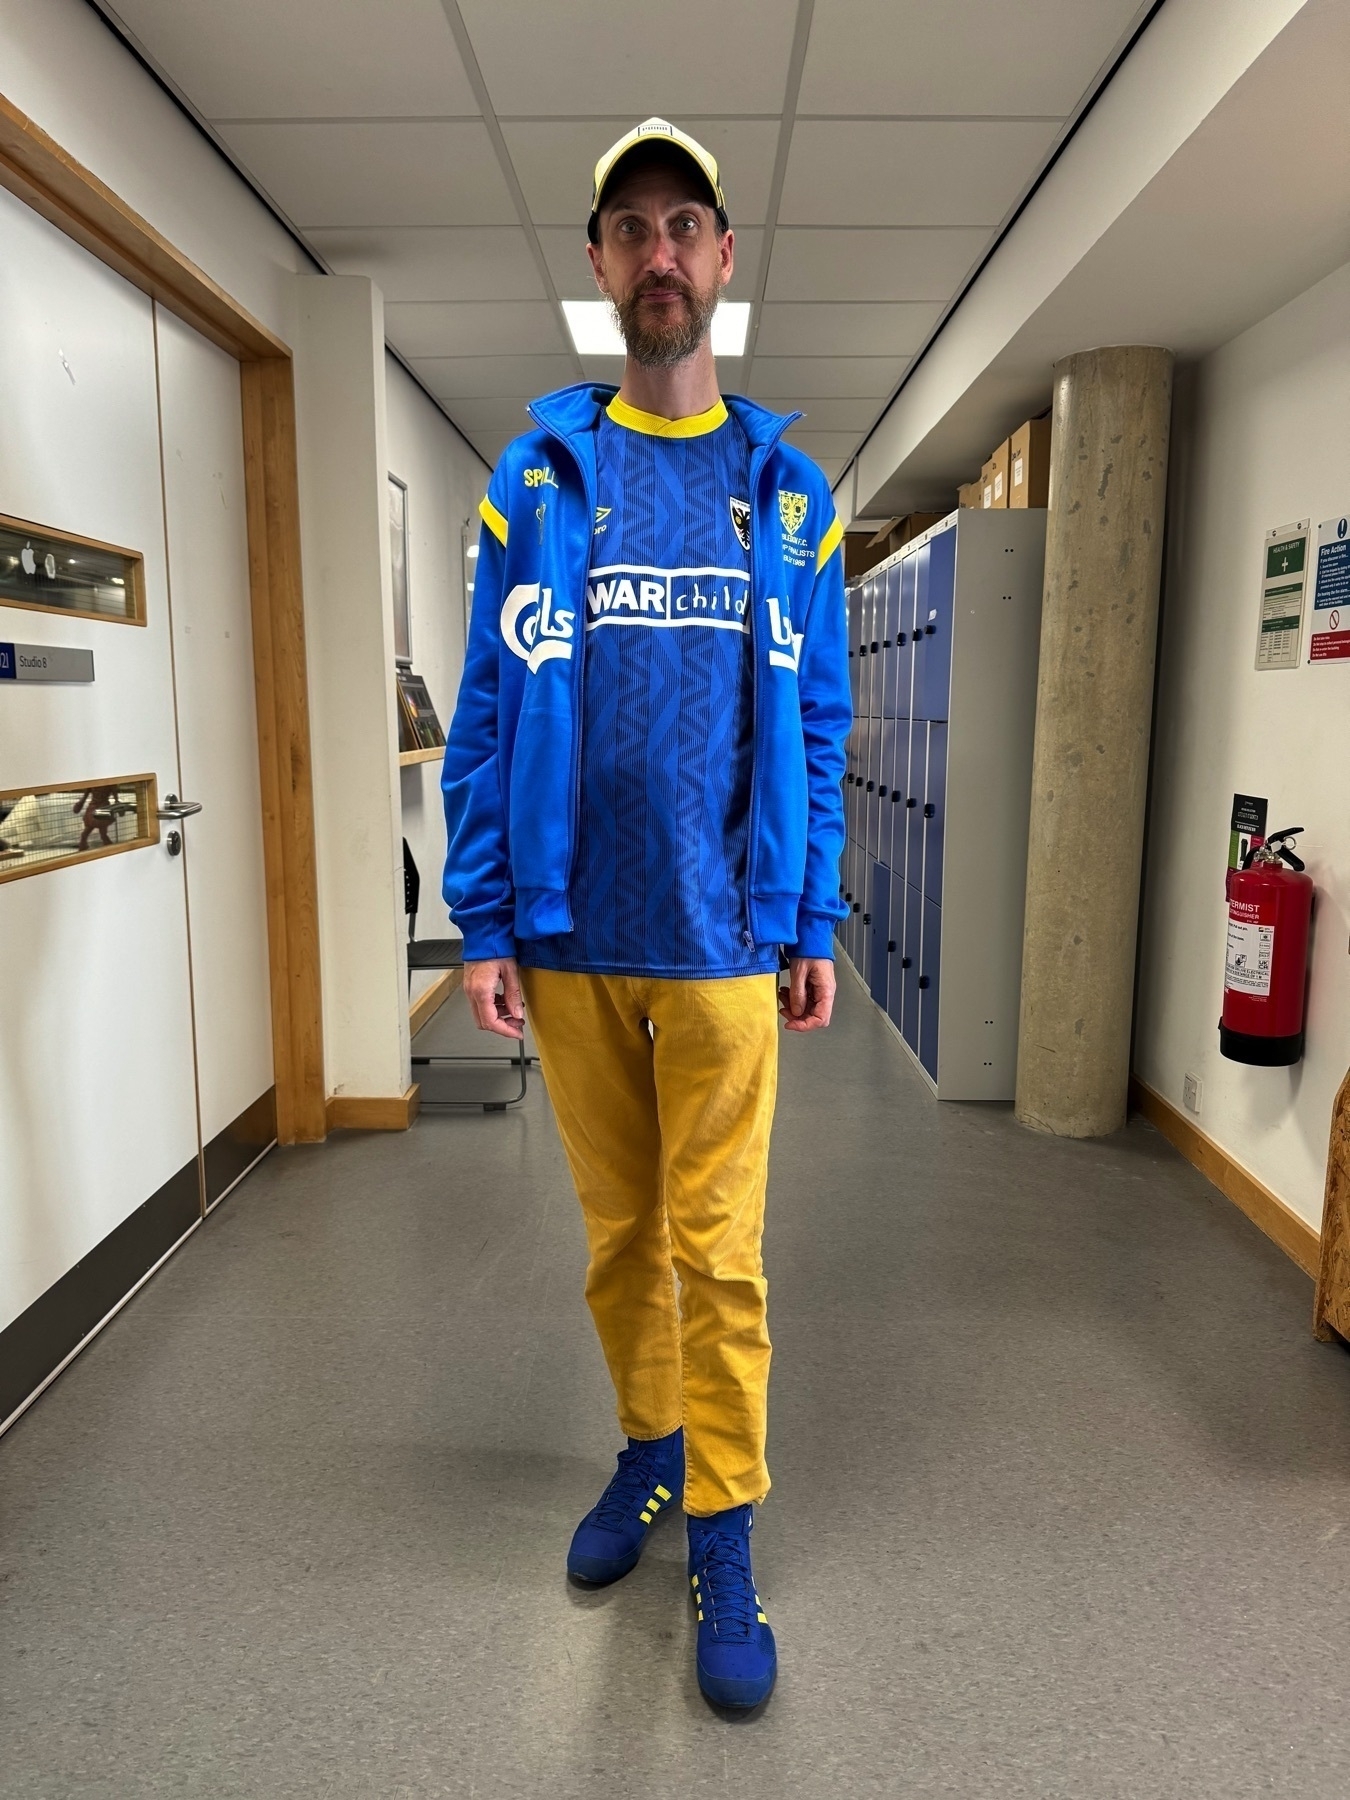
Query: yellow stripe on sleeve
[(494, 520), (828, 544)]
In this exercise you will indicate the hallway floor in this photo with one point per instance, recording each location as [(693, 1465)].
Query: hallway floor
[(1059, 1508)]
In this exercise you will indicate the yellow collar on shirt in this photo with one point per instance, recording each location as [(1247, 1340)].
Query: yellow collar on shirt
[(653, 426)]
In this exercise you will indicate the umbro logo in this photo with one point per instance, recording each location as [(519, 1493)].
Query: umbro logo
[(601, 515)]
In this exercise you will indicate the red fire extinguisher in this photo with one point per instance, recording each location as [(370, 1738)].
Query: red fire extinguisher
[(1265, 969)]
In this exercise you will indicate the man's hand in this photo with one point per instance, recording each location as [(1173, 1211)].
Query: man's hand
[(807, 1002), (504, 1013)]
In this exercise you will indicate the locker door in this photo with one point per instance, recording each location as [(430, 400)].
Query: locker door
[(896, 802), (872, 802), (928, 986), (933, 618), (854, 634), (879, 933), (909, 967), (935, 811), (917, 640), (904, 664), (914, 802), (874, 642), (886, 777), (865, 648), (864, 958), (890, 642)]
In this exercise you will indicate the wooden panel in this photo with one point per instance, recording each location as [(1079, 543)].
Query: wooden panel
[(374, 1112), (284, 747), (407, 757), (1281, 1224), (1331, 1310), (35, 168), (433, 998)]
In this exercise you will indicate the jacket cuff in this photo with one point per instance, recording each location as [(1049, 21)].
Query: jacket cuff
[(815, 936), (488, 939)]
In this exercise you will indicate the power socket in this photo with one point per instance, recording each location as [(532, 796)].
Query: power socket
[(1190, 1093)]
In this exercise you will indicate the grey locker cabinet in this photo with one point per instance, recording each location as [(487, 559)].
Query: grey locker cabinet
[(879, 930)]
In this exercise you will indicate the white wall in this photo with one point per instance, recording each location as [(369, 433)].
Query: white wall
[(60, 64), (1261, 437), (445, 480)]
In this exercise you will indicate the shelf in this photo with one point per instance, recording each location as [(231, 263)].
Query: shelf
[(406, 758)]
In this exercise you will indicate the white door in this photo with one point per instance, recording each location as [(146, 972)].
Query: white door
[(218, 748), (97, 1104)]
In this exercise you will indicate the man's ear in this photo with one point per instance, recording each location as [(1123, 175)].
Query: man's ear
[(726, 251), (598, 267)]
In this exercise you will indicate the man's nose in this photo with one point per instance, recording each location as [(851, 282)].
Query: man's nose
[(663, 260)]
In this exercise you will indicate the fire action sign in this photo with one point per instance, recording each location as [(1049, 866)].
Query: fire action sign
[(1329, 640)]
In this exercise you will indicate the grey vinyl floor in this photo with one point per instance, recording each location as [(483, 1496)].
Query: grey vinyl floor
[(1061, 1486)]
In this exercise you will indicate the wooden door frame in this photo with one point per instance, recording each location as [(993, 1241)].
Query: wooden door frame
[(39, 172)]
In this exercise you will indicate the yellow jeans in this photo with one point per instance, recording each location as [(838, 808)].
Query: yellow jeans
[(667, 1135)]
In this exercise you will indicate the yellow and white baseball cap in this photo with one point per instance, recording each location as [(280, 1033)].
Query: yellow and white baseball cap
[(654, 131)]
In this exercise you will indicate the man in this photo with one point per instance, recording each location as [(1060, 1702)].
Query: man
[(643, 804)]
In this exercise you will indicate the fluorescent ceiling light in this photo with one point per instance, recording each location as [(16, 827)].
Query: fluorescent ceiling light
[(595, 331)]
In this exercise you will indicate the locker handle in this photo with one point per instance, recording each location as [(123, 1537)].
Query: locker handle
[(913, 800), (875, 646), (867, 918), (923, 981), (885, 643), (870, 786), (857, 907), (883, 790), (930, 810), (848, 896), (899, 637), (929, 630), (896, 795), (890, 946), (905, 961)]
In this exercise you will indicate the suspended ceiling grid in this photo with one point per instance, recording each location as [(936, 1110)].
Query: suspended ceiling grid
[(870, 150)]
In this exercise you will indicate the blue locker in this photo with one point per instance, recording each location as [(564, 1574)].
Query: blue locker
[(918, 642), (929, 956), (872, 799), (879, 933), (933, 620), (885, 778), (854, 636), (890, 648), (909, 967), (904, 665), (875, 631), (893, 819), (935, 811), (914, 802)]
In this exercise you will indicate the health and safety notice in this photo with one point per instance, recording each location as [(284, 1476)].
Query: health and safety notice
[(1329, 640)]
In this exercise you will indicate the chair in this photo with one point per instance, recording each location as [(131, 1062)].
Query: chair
[(448, 953)]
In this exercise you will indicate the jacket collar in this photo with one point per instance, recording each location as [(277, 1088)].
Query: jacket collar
[(572, 410)]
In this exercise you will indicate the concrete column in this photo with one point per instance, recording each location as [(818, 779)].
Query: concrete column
[(1094, 704)]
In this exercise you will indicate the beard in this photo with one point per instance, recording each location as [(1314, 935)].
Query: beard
[(675, 332)]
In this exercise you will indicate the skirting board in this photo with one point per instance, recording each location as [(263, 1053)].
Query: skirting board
[(373, 1112), (433, 998), (1281, 1224)]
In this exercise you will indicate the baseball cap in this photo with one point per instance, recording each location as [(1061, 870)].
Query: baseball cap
[(654, 131)]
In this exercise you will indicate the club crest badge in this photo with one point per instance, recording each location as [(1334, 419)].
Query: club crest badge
[(740, 519), (792, 511)]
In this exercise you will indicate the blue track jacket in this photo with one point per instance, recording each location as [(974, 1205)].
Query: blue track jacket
[(511, 773)]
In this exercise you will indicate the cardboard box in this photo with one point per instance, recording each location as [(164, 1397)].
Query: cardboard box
[(970, 493), (995, 476), (1029, 464)]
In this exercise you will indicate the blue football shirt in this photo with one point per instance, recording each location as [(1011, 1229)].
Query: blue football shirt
[(659, 880)]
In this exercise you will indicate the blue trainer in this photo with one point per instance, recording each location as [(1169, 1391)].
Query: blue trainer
[(737, 1657), (609, 1540)]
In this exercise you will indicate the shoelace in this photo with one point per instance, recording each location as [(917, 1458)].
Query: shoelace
[(631, 1485), (726, 1586)]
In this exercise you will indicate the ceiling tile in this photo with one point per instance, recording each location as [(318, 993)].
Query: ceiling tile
[(876, 328), (850, 377), (905, 173), (360, 174), (834, 414), (824, 443), (475, 328), (700, 57), (467, 262), (555, 160), (491, 415), (821, 264), (565, 252), (255, 59), (984, 56), (453, 378)]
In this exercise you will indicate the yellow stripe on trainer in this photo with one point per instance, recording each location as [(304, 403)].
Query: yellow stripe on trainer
[(646, 1517), (664, 1493)]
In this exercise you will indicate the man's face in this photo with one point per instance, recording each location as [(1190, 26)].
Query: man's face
[(662, 263)]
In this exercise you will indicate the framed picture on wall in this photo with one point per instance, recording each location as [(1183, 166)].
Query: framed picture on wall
[(398, 567)]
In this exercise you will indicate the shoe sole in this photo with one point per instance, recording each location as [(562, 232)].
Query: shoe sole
[(746, 1697), (601, 1574)]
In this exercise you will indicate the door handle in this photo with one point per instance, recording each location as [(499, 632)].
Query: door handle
[(174, 808)]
